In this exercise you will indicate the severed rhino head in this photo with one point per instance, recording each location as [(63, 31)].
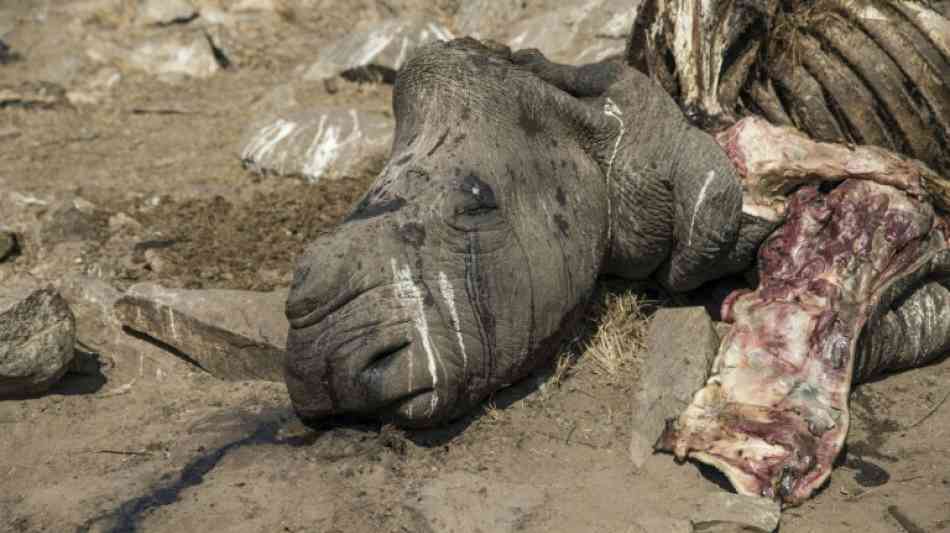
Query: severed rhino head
[(514, 182), (504, 197)]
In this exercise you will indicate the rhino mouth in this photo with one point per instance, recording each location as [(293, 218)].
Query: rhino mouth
[(774, 414)]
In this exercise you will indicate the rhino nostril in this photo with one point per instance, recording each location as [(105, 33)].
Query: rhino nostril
[(383, 357)]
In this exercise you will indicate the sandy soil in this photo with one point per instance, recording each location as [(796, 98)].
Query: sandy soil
[(151, 444)]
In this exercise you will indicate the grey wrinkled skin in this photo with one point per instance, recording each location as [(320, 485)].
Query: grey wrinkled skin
[(512, 184)]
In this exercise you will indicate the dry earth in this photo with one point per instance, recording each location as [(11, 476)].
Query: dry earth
[(151, 444)]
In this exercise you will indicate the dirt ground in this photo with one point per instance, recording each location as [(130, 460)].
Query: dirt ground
[(151, 444)]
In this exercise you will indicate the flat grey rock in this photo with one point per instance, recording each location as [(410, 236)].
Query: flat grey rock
[(170, 54), (233, 335), (681, 345), (161, 12), (487, 19), (582, 31), (317, 143), (723, 512), (37, 334), (375, 49), (466, 503)]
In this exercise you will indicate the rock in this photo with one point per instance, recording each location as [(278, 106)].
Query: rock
[(317, 143), (233, 335), (465, 503), (244, 6), (73, 220), (163, 12), (584, 31), (32, 95), (375, 50), (723, 512), (130, 359), (8, 245), (7, 55), (681, 345), (187, 54), (37, 333), (487, 19)]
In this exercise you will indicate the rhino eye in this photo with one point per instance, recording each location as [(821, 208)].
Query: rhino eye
[(474, 206), (476, 202), (477, 197)]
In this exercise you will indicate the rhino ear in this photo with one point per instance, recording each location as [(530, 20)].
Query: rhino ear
[(585, 81)]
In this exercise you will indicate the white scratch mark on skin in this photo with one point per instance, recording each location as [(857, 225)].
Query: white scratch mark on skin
[(448, 293), (410, 295), (612, 110), (710, 176)]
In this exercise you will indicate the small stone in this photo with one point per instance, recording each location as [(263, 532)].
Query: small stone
[(375, 52), (681, 345), (37, 334), (187, 54), (163, 12), (723, 512), (7, 55), (316, 143), (73, 221), (233, 335), (8, 245), (33, 95)]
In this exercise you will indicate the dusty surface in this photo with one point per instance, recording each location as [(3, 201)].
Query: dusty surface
[(150, 444)]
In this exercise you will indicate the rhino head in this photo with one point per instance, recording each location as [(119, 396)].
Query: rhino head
[(504, 197)]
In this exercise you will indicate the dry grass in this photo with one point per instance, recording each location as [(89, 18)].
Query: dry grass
[(612, 340), (621, 332)]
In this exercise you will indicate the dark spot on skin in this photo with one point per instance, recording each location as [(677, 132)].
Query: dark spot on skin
[(554, 142), (529, 123), (367, 209), (559, 196), (562, 225), (439, 143), (412, 139), (466, 112), (428, 300), (868, 474), (458, 140), (404, 159), (412, 233)]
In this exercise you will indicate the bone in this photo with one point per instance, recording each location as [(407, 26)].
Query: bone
[(774, 414), (772, 161)]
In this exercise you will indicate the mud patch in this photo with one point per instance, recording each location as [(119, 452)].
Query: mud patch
[(247, 243)]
